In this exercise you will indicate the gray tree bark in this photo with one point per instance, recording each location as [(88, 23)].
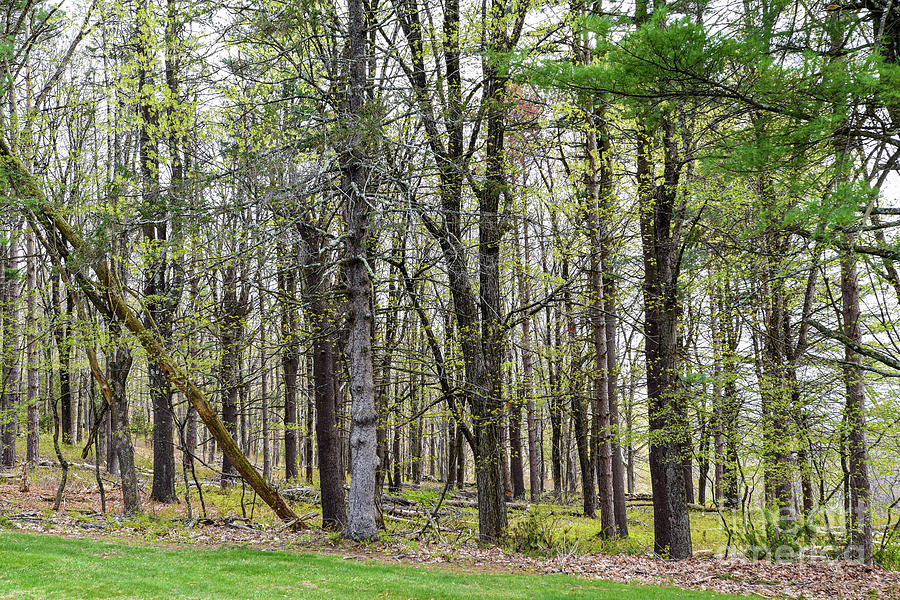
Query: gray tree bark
[(361, 523)]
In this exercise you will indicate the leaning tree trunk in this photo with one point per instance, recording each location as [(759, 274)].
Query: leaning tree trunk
[(43, 215)]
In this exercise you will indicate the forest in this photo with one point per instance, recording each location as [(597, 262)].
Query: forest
[(564, 281)]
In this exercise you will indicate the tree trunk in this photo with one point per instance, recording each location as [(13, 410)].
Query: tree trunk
[(231, 332), (33, 390), (717, 415), (859, 543), (774, 385), (687, 465), (702, 451), (582, 440), (579, 408), (397, 479), (321, 322), (363, 443), (487, 396), (243, 409), (264, 395), (415, 434), (730, 409), (612, 375), (555, 369), (290, 365), (63, 331), (9, 398), (382, 456), (601, 431), (628, 431), (451, 454), (310, 419), (516, 471), (671, 524), (535, 481), (190, 427), (119, 365), (460, 458), (481, 353), (481, 389), (156, 292)]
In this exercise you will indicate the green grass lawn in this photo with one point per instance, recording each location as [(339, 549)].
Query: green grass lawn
[(45, 567)]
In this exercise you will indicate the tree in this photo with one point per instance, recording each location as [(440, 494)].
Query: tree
[(290, 360), (161, 298), (9, 394), (33, 390), (361, 522)]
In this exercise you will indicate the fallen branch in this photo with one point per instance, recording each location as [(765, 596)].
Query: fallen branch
[(460, 503)]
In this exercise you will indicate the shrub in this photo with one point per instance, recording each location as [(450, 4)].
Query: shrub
[(778, 540), (887, 555), (539, 533)]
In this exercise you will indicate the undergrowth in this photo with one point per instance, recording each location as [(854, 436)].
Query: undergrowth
[(776, 539)]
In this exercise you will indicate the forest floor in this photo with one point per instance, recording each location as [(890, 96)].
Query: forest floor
[(547, 539)]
